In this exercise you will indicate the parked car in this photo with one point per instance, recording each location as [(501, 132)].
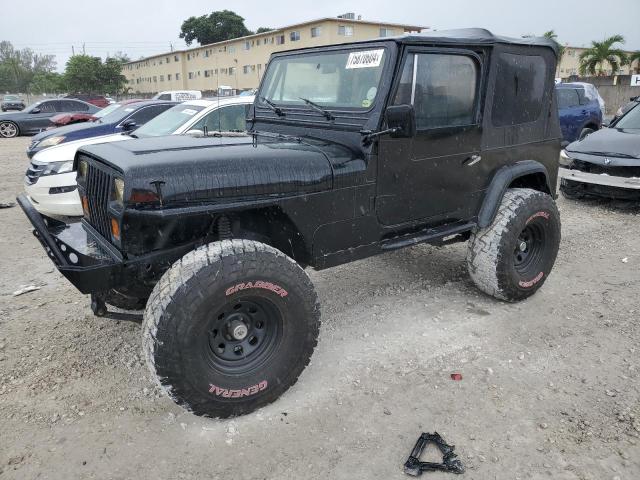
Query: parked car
[(633, 101), (12, 102), (122, 118), (606, 163), (35, 118), (71, 118), (97, 100), (579, 110), (355, 150), (50, 181), (179, 95)]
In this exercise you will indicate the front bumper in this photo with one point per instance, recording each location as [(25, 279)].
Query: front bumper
[(65, 204), (603, 179), (90, 263), (74, 250)]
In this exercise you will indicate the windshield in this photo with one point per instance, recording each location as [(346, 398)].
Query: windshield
[(631, 120), (347, 79), (117, 114), (9, 98), (168, 122), (107, 110)]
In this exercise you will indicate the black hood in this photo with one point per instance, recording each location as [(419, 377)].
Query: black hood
[(199, 169), (609, 142)]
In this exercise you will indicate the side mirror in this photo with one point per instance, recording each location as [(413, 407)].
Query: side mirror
[(195, 133), (35, 110), (129, 125), (402, 118)]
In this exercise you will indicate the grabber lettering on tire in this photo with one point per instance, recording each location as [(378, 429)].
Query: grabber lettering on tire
[(512, 258)]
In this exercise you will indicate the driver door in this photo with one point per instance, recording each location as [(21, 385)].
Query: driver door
[(435, 175), (40, 121)]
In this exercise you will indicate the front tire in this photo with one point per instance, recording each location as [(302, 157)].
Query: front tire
[(9, 129), (511, 259), (230, 327)]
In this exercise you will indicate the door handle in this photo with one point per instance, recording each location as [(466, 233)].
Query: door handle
[(472, 160)]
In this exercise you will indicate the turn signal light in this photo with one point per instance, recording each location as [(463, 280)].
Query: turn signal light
[(115, 229), (85, 206)]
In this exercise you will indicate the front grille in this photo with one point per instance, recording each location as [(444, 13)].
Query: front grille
[(33, 173), (98, 190), (598, 169)]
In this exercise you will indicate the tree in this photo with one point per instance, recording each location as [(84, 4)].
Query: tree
[(18, 67), (593, 60), (47, 82), (551, 35), (86, 74), (635, 57), (264, 29), (215, 27)]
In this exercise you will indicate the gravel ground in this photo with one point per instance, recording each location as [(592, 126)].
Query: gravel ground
[(550, 385)]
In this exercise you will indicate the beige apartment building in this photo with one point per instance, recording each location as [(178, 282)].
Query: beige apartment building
[(240, 63), (570, 63)]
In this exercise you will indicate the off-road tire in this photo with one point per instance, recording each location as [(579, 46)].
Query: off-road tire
[(571, 190), (124, 301), (495, 260), (584, 132), (230, 281)]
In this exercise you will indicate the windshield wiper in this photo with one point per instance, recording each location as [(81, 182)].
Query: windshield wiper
[(133, 135), (318, 108), (275, 108)]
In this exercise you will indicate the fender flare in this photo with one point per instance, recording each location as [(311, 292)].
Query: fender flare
[(499, 184)]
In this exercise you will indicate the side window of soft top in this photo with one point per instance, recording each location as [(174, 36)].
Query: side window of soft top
[(444, 94)]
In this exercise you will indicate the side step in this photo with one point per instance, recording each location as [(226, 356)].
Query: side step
[(430, 235)]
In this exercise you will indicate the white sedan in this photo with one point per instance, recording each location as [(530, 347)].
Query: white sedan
[(50, 182)]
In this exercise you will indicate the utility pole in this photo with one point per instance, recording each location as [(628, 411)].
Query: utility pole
[(83, 51), (73, 50)]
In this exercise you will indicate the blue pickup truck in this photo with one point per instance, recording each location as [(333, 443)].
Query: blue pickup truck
[(580, 109)]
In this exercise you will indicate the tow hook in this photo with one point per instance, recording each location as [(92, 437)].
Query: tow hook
[(98, 306)]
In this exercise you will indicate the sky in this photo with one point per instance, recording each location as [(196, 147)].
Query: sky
[(152, 27)]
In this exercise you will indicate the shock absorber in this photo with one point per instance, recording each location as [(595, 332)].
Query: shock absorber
[(224, 228)]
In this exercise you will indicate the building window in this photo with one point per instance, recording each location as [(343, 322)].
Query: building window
[(188, 56), (315, 32), (294, 36), (206, 54), (231, 49), (247, 45), (245, 69), (162, 78), (168, 77), (232, 70), (176, 58), (177, 76), (207, 73), (279, 39), (258, 42), (155, 79), (167, 59), (190, 75), (387, 32), (345, 30)]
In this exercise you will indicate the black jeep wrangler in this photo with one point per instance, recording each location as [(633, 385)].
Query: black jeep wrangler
[(352, 150)]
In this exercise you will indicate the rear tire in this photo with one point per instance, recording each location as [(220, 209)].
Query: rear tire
[(512, 258), (9, 129), (585, 131), (230, 327)]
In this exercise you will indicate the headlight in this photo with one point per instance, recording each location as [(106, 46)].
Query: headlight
[(117, 191), (55, 168), (83, 168), (565, 159), (51, 141)]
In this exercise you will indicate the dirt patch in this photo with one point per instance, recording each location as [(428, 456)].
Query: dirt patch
[(550, 386)]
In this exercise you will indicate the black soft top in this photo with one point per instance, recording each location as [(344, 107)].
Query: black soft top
[(470, 36)]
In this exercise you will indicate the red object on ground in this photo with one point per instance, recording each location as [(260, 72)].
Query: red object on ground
[(456, 376)]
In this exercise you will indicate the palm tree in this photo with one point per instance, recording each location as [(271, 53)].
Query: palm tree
[(635, 57), (593, 60), (551, 35)]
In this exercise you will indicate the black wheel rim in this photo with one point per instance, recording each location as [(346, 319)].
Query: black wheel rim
[(242, 334), (529, 249)]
